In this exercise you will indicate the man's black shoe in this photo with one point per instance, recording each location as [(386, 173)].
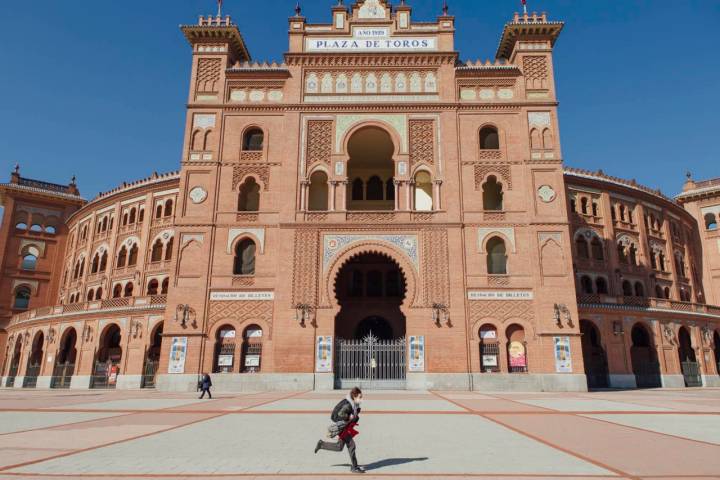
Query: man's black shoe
[(357, 470), (317, 447)]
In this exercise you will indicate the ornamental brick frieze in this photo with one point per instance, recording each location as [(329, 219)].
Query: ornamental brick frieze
[(333, 244), (535, 69), (305, 267), (371, 217), (327, 108), (242, 311), (422, 141), (435, 267), (371, 60), (319, 142), (208, 75), (482, 170), (260, 170), (501, 310)]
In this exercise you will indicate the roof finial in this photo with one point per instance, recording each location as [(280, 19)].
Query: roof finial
[(445, 8), (17, 169), (219, 8), (524, 4), (73, 180), (688, 174), (297, 8)]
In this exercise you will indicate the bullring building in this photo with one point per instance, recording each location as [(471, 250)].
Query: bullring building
[(372, 209)]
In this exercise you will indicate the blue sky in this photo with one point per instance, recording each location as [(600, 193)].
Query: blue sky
[(97, 88)]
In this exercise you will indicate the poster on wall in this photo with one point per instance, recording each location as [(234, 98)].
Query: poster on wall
[(178, 351), (518, 359), (563, 360), (323, 355), (417, 354), (225, 360), (490, 360)]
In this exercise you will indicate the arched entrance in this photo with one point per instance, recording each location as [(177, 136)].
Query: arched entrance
[(65, 360), (34, 362), (14, 363), (594, 357), (716, 343), (107, 360), (644, 359), (370, 327), (688, 362), (370, 170), (152, 359)]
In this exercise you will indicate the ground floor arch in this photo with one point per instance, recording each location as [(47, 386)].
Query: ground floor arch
[(65, 360), (644, 358), (152, 357), (594, 355), (688, 361), (14, 365), (107, 359), (34, 361)]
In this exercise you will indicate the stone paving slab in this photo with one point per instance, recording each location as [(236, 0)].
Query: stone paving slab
[(19, 421), (588, 405), (136, 404), (406, 444), (704, 428), (369, 405)]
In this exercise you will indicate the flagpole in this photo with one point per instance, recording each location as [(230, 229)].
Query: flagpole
[(219, 8), (524, 7)]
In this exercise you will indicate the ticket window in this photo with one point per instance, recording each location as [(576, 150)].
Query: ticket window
[(489, 349), (225, 350), (252, 350)]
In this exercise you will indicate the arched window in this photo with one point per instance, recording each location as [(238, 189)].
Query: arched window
[(621, 208), (535, 140), (159, 211), (547, 139), (125, 219), (390, 189), (249, 196), (489, 138), (627, 289), (423, 192), (117, 291), (98, 293), (633, 255), (573, 205), (95, 265), (152, 288), (90, 295), (622, 256), (22, 298), (103, 261), (374, 286), (595, 209), (639, 289), (358, 189), (318, 200), (132, 257), (584, 205), (582, 247), (680, 264), (131, 219), (659, 292), (516, 349), (667, 292), (375, 188), (598, 252), (661, 260), (653, 260), (164, 287), (497, 256), (104, 224), (586, 285), (169, 249), (129, 289), (492, 194), (225, 349), (357, 283), (141, 216), (711, 221), (601, 286), (245, 258), (29, 261), (252, 350), (169, 208), (253, 140), (38, 229), (21, 226), (157, 250)]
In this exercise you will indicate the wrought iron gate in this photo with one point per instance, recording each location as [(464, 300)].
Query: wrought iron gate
[(370, 363), (691, 373), (149, 372), (647, 374), (31, 376)]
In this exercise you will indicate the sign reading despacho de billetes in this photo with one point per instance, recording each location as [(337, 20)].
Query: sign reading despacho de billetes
[(370, 40), (239, 296), (501, 295)]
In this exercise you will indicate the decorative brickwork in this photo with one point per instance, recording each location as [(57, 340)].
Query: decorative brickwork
[(261, 171), (435, 260), (483, 170), (422, 141), (242, 311), (305, 268), (500, 310), (536, 73), (208, 75), (319, 142)]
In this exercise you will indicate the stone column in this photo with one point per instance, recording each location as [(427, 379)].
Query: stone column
[(344, 185), (437, 203), (396, 184), (303, 194), (331, 201)]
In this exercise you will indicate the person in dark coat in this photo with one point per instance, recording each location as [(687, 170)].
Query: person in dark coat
[(205, 385), (345, 416)]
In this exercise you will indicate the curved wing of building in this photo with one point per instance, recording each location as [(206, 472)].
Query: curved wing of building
[(371, 210)]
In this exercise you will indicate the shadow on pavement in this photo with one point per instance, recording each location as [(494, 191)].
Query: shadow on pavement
[(388, 462)]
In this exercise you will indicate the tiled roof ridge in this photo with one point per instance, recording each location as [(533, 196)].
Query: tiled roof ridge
[(600, 175), (154, 178)]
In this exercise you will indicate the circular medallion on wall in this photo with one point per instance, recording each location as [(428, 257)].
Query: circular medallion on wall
[(547, 193), (198, 195)]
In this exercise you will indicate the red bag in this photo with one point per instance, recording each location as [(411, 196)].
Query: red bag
[(349, 431)]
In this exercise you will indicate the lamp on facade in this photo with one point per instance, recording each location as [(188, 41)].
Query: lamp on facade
[(136, 328), (304, 314), (184, 314), (51, 335), (87, 333), (618, 328), (441, 314), (561, 311)]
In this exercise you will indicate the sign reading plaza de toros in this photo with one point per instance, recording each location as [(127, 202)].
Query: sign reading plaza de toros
[(375, 39)]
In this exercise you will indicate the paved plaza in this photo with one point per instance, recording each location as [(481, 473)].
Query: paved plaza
[(649, 434)]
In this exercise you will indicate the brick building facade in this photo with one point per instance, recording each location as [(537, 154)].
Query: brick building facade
[(371, 210)]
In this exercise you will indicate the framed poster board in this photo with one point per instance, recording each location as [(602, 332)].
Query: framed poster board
[(324, 354), (178, 352), (563, 358), (417, 354)]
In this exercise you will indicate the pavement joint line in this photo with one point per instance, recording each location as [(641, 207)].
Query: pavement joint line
[(498, 397), (4, 469), (551, 445), (645, 430), (319, 475)]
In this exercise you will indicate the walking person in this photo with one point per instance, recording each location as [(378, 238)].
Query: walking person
[(345, 416), (205, 385)]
